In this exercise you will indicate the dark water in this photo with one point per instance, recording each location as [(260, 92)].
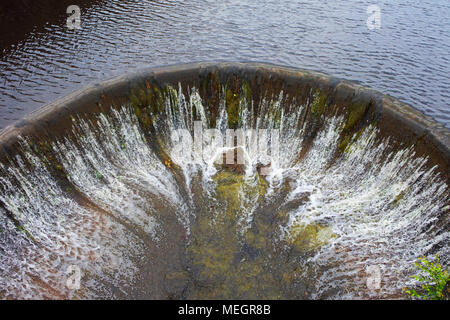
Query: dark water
[(407, 58)]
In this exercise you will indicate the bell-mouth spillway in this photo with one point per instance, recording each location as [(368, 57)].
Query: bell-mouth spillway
[(98, 199)]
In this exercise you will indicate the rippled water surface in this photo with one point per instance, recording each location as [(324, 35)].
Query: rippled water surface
[(407, 58)]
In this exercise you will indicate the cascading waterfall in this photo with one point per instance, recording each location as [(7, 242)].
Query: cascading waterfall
[(138, 219)]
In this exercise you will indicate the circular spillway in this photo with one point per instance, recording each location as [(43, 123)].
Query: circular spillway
[(221, 181)]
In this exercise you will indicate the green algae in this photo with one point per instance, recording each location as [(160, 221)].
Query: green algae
[(345, 143), (98, 175), (232, 188), (319, 104), (223, 264), (157, 98), (275, 114), (349, 140), (310, 237), (232, 102), (399, 197), (231, 262), (235, 103), (247, 91), (228, 189), (145, 100), (356, 113)]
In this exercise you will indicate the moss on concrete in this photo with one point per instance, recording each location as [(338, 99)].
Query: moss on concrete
[(246, 91), (319, 104), (146, 100), (310, 237), (232, 187), (221, 264), (356, 113), (237, 97), (232, 103), (348, 140), (400, 196)]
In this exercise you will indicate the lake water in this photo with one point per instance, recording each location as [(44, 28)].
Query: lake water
[(408, 57)]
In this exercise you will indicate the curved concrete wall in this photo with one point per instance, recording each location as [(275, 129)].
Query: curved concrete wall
[(405, 125)]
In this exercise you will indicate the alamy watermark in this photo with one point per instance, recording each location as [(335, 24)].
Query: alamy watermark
[(74, 20), (235, 147), (373, 22)]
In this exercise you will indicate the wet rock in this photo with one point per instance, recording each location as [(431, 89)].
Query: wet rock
[(310, 237)]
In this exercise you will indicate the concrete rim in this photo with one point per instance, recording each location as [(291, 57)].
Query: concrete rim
[(413, 119)]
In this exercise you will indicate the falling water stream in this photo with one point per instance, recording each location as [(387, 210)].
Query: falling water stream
[(139, 219)]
